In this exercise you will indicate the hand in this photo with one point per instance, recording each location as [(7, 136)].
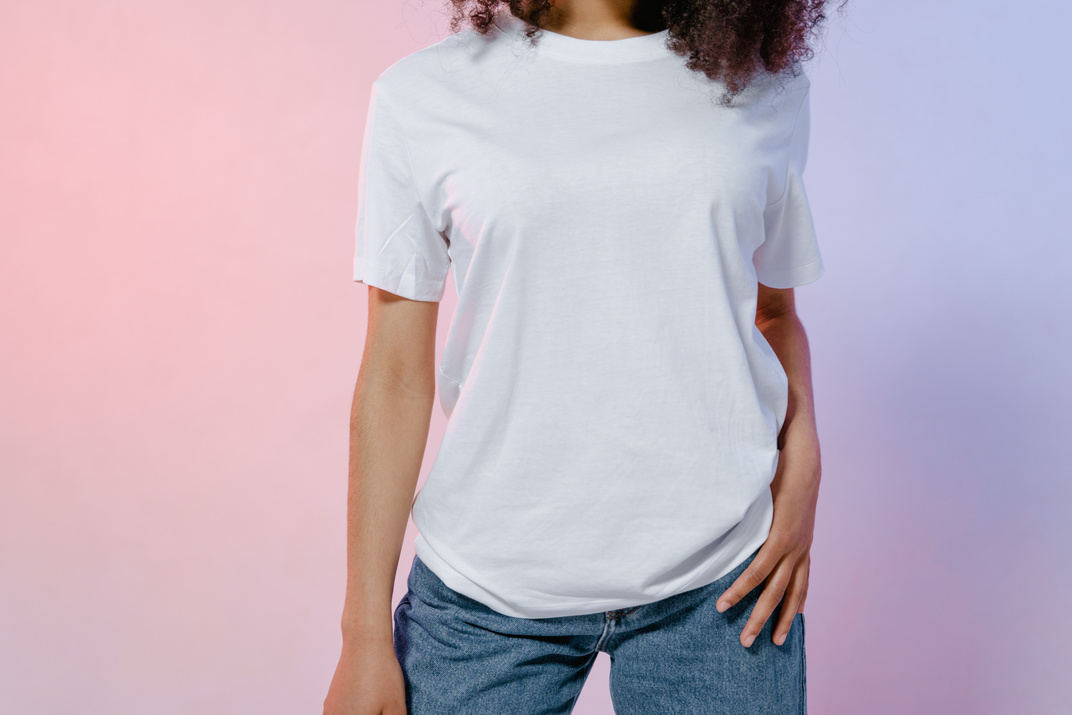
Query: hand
[(784, 559), (368, 680)]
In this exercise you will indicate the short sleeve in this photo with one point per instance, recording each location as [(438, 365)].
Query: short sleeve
[(789, 254), (397, 247)]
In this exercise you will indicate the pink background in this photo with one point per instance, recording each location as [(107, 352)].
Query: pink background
[(180, 334)]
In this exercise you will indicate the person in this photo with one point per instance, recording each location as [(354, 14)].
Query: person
[(630, 462)]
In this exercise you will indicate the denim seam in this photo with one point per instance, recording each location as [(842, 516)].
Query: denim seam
[(803, 669)]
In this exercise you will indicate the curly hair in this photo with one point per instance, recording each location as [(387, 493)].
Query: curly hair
[(730, 41)]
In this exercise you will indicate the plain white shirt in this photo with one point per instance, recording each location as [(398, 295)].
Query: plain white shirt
[(613, 411)]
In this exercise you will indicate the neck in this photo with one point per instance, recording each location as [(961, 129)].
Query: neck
[(593, 19)]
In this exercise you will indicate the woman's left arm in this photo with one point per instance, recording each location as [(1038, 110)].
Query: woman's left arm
[(784, 559)]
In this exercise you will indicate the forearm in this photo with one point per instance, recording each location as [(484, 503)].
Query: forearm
[(785, 334), (388, 434)]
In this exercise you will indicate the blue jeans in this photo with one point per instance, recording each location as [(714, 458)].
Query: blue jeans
[(675, 655)]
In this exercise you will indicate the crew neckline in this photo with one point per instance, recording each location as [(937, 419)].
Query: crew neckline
[(622, 50)]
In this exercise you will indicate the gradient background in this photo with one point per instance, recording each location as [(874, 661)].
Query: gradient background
[(180, 334)]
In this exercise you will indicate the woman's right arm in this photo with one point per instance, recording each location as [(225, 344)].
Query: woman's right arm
[(389, 422)]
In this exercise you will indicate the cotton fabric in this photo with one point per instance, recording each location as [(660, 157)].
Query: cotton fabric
[(612, 409)]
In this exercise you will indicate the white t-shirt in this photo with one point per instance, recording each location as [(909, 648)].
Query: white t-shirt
[(613, 411)]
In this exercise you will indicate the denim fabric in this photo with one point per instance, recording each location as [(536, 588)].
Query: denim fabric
[(675, 655)]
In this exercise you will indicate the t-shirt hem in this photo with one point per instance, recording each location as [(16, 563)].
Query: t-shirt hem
[(391, 280), (801, 275), (756, 525), (464, 586)]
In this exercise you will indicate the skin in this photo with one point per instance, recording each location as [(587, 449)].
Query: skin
[(389, 422), (593, 19), (782, 564)]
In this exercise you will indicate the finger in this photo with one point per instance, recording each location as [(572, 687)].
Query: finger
[(756, 573), (767, 602), (788, 609), (804, 594)]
